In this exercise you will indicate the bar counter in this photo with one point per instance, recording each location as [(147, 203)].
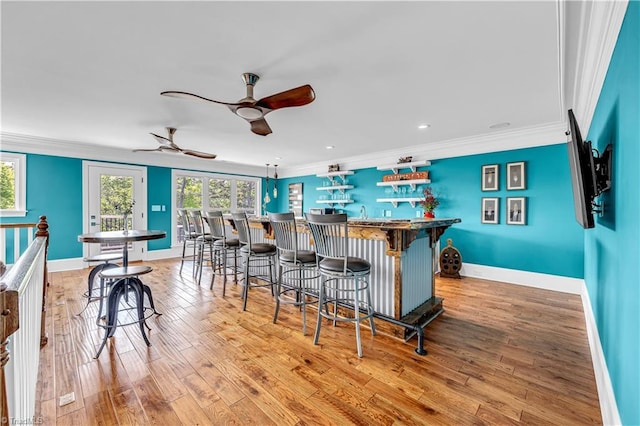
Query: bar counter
[(403, 258)]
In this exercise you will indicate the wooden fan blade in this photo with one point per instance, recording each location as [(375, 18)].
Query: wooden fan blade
[(199, 154), (260, 127), (186, 95), (299, 96)]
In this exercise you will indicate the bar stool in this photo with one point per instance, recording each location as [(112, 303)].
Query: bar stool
[(297, 266), (337, 269), (125, 281), (204, 240), (256, 253), (94, 277), (223, 249), (189, 238)]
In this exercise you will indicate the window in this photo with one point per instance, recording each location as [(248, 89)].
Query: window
[(204, 191), (13, 169)]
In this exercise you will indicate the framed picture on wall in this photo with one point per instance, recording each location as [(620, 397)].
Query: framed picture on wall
[(490, 210), (516, 176), (516, 211), (490, 177)]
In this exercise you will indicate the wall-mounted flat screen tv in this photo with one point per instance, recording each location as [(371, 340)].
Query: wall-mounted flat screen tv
[(590, 174)]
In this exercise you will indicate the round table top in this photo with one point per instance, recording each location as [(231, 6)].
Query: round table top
[(121, 236)]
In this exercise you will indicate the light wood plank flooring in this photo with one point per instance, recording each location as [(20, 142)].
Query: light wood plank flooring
[(500, 354)]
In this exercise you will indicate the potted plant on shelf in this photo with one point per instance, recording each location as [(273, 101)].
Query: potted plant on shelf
[(429, 203)]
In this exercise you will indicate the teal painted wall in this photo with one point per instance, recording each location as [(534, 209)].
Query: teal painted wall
[(54, 189), (159, 194), (53, 185), (612, 248), (550, 243)]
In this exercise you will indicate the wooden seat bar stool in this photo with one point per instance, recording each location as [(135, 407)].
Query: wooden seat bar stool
[(92, 294), (297, 268), (343, 277), (125, 283)]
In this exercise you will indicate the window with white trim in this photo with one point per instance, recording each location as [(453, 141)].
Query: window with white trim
[(208, 191), (13, 194)]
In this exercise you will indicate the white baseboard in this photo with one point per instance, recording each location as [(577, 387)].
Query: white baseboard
[(529, 279), (608, 405), (65, 264)]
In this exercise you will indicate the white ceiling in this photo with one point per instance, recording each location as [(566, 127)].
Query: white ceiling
[(91, 73)]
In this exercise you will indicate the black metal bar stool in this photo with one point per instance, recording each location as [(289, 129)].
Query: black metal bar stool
[(125, 283), (297, 267), (343, 277), (204, 243), (260, 254), (223, 249), (189, 239), (92, 294)]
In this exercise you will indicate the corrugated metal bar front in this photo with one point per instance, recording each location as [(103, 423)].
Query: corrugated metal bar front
[(417, 278)]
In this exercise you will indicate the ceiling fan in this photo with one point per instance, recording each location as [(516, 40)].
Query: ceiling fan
[(254, 111), (167, 144)]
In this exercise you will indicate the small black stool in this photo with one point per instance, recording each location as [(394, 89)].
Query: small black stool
[(92, 294), (125, 281)]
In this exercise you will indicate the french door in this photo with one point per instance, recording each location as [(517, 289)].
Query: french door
[(114, 198)]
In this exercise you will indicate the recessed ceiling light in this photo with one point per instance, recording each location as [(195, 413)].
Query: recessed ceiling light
[(500, 125), (278, 158), (424, 126), (330, 147)]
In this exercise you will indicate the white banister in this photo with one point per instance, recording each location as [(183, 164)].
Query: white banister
[(21, 371)]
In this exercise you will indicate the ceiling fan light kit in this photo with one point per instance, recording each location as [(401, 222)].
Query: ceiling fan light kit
[(254, 111)]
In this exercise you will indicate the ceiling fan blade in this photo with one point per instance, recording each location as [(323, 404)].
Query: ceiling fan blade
[(162, 140), (147, 150), (186, 95), (199, 154), (299, 96), (260, 127)]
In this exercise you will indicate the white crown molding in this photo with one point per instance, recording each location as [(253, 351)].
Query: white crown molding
[(500, 141), (45, 146), (592, 29), (549, 134)]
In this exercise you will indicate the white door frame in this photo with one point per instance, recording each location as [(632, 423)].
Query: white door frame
[(140, 195)]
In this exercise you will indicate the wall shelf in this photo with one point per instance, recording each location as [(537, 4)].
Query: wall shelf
[(397, 183), (338, 182), (413, 165), (341, 202), (395, 201), (332, 188), (332, 175)]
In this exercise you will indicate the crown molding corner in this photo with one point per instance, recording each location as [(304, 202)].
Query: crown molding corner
[(596, 28)]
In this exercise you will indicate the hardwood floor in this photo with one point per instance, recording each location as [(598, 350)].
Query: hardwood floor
[(500, 354)]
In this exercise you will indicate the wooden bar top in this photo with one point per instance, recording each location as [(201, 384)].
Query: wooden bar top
[(386, 223)]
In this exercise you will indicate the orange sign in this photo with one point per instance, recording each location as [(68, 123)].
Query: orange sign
[(405, 176)]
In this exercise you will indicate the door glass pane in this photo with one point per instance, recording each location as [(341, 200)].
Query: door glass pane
[(220, 195), (246, 196), (116, 203)]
